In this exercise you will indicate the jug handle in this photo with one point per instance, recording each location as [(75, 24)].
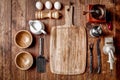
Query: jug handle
[(30, 22), (43, 32)]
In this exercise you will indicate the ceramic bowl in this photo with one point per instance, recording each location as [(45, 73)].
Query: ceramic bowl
[(23, 60), (23, 39)]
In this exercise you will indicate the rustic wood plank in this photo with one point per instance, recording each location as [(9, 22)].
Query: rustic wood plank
[(1, 40), (33, 49), (83, 4), (47, 74), (117, 36), (5, 40), (80, 20), (5, 50), (103, 57), (111, 8), (18, 23), (61, 21)]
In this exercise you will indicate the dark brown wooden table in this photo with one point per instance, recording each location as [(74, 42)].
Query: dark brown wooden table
[(14, 16)]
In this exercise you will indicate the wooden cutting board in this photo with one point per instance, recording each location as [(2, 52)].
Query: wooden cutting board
[(68, 47)]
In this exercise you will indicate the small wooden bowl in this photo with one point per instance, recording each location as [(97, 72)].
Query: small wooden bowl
[(23, 60), (23, 39)]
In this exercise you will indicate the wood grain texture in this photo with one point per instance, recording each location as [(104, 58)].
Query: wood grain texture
[(33, 49), (117, 35), (5, 50), (18, 23), (14, 16), (44, 15), (68, 47), (67, 56)]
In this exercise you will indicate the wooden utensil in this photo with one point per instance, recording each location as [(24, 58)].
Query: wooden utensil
[(23, 39), (43, 15), (68, 47), (23, 60)]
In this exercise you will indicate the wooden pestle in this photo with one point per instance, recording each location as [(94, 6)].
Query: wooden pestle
[(43, 15)]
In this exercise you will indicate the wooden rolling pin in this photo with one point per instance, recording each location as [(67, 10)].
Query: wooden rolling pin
[(43, 15)]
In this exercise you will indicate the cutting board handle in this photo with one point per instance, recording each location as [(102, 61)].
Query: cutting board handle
[(69, 15)]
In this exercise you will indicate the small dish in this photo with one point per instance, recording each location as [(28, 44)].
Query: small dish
[(23, 39), (23, 60)]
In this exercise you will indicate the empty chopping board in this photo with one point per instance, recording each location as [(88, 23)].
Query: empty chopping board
[(68, 47)]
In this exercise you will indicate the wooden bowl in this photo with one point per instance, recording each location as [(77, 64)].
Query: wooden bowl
[(23, 60), (23, 39)]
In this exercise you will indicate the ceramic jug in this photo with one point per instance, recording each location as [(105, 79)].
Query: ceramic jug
[(37, 27)]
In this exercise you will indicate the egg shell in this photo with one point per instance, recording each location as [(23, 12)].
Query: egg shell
[(48, 5), (57, 5), (39, 5)]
